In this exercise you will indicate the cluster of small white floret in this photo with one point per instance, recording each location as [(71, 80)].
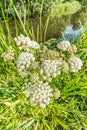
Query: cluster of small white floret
[(50, 69), (24, 43), (64, 45), (75, 64), (40, 94), (24, 61), (9, 54)]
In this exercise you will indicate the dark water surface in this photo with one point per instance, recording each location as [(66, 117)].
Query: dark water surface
[(66, 27)]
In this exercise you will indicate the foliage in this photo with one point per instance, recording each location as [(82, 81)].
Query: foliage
[(65, 8), (83, 2), (34, 7)]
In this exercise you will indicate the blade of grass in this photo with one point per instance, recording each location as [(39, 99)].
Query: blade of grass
[(62, 124), (28, 124), (23, 26)]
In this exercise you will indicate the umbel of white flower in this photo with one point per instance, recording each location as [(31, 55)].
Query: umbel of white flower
[(24, 61), (50, 69), (9, 54), (75, 64), (24, 43), (40, 94), (64, 45)]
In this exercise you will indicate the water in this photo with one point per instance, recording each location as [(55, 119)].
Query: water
[(71, 34), (65, 27)]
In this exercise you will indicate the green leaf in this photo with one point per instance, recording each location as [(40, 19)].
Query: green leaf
[(28, 124), (62, 124), (36, 126), (20, 125)]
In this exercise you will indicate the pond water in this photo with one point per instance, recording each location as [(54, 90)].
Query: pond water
[(66, 27), (71, 34)]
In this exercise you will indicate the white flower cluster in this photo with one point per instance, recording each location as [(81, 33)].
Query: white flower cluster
[(50, 69), (24, 60), (40, 94), (75, 64), (24, 43), (9, 54), (64, 45)]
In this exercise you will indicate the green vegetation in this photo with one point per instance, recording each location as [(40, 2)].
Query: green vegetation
[(33, 7), (66, 112), (66, 8)]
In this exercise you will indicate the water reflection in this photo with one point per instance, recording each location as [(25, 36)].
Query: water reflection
[(67, 27), (71, 33)]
